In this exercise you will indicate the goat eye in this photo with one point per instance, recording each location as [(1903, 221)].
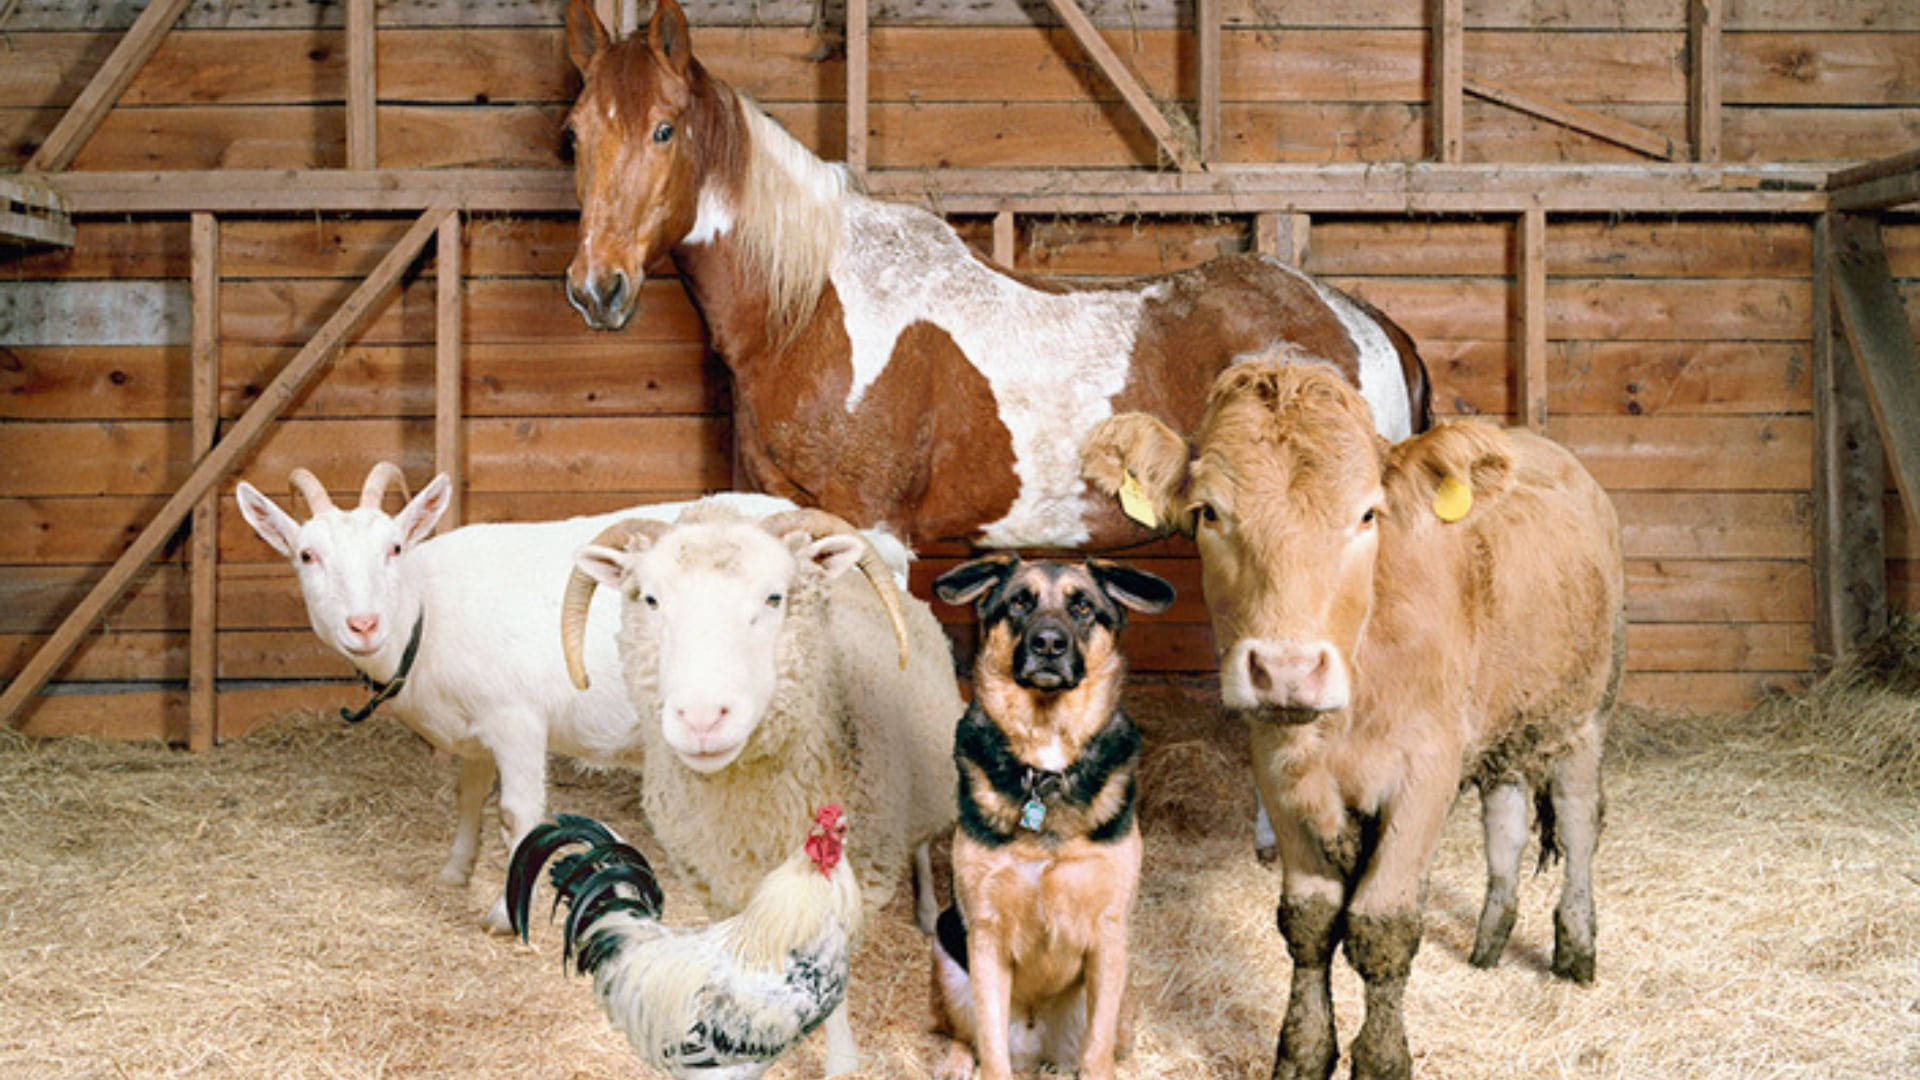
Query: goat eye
[(774, 599), (306, 556), (394, 551), (663, 132), (652, 601)]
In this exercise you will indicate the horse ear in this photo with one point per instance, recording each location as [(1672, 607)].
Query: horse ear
[(667, 34), (586, 38)]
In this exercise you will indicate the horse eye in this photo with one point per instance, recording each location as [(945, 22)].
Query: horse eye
[(663, 132)]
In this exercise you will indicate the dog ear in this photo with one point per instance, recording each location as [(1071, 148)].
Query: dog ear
[(970, 580), (1137, 589)]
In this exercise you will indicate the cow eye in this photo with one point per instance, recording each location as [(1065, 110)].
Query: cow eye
[(1206, 514), (1369, 517), (663, 132)]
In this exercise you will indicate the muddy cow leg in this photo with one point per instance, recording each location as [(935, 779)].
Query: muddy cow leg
[(1503, 817), (1381, 948), (1383, 917), (1308, 1045), (1577, 806)]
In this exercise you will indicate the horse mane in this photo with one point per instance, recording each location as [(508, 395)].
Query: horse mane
[(788, 219)]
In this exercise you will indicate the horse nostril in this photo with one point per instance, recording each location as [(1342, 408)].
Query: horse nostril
[(617, 291)]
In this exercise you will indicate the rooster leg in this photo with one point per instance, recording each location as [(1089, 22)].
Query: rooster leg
[(926, 908), (470, 791), (842, 1055)]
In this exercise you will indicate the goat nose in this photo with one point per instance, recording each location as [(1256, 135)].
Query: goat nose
[(363, 624)]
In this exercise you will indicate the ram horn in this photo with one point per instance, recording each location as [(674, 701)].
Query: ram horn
[(580, 586), (310, 488), (374, 491), (819, 523)]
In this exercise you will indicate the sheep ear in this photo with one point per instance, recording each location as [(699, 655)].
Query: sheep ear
[(969, 580), (603, 564), (423, 513), (269, 522), (835, 554)]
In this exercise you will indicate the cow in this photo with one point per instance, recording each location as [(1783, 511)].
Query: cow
[(1394, 622)]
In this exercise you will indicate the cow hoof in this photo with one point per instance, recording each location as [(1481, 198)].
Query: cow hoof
[(1268, 854), (1573, 967)]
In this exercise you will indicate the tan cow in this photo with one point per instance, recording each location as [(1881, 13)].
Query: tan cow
[(1395, 622)]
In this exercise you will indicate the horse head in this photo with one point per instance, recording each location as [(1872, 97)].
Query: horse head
[(637, 164)]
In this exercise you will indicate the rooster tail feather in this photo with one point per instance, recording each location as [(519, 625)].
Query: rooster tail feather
[(585, 881), (610, 887), (532, 853)]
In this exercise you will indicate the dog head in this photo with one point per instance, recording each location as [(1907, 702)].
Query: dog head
[(1053, 615)]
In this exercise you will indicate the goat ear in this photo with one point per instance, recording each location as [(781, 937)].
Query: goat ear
[(419, 517), (970, 580), (586, 38), (1147, 593), (603, 564), (269, 522), (835, 554)]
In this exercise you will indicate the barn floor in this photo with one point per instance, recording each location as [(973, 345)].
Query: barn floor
[(267, 910)]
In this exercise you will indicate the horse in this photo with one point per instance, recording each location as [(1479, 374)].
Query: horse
[(884, 371)]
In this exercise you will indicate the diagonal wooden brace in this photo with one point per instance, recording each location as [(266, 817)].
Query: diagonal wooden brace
[(1875, 322), (1124, 80)]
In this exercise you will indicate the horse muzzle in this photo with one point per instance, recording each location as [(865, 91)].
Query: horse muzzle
[(606, 301)]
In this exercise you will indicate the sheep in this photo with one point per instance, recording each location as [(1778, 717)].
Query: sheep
[(768, 683), (488, 684)]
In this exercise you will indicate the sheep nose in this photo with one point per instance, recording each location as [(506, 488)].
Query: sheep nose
[(702, 719), (363, 624)]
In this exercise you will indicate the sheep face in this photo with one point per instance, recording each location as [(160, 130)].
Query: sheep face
[(705, 610), (359, 598)]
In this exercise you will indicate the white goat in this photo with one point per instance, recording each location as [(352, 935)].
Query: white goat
[(488, 683), (769, 681)]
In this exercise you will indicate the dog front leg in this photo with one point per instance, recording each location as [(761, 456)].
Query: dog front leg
[(1106, 991), (992, 975)]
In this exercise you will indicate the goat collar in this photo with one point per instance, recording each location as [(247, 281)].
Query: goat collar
[(385, 690)]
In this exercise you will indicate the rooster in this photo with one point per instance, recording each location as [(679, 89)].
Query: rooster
[(722, 1001)]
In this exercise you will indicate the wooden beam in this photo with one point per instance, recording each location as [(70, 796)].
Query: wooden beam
[(1283, 236), (1631, 136), (1875, 322), (215, 464), (34, 212), (1206, 28), (362, 91), (449, 354), (1877, 169), (1003, 238), (204, 557), (1877, 184), (1849, 475), (859, 48), (1703, 78), (1530, 373), (1124, 80), (1446, 80), (87, 110)]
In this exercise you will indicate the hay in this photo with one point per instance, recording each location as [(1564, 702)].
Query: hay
[(267, 910), (1865, 712)]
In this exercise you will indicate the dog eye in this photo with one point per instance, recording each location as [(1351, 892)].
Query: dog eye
[(1020, 604), (1080, 608)]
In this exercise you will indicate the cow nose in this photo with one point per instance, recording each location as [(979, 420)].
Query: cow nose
[(1299, 676), (363, 624), (1048, 641)]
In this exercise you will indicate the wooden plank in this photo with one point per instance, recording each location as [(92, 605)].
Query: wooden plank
[(1849, 527), (1692, 453), (86, 112), (1651, 143), (1626, 378), (1718, 590), (1003, 238), (1715, 524), (1880, 193), (1172, 144), (1444, 97), (362, 93), (1283, 236), (202, 688), (1719, 647), (1209, 74), (1875, 322), (1603, 309), (33, 213), (1530, 370), (1877, 169), (212, 466), (1708, 692), (859, 61), (1703, 78), (449, 344)]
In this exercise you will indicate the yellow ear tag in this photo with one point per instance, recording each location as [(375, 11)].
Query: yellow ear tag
[(1134, 502), (1452, 499)]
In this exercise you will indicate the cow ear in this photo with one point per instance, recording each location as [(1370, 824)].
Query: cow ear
[(970, 580), (1142, 462), (668, 37), (1135, 588), (586, 38), (1451, 469)]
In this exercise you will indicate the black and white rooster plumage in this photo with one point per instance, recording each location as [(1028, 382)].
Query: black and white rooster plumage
[(718, 1002)]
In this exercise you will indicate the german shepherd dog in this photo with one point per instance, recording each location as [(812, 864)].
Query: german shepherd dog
[(1030, 964)]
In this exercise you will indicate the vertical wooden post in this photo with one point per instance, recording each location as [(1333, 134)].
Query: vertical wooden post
[(448, 356), (1703, 78), (362, 147), (1003, 238), (1849, 479), (1530, 375), (1447, 90), (203, 657), (1284, 236), (1206, 28), (858, 44)]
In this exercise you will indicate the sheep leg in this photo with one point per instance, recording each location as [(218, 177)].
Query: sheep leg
[(926, 908), (1503, 818), (1578, 803), (523, 799), (843, 1055), (470, 790)]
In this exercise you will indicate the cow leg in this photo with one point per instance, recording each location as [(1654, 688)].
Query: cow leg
[(1577, 808), (1383, 919), (1308, 1046), (1266, 847), (1503, 816)]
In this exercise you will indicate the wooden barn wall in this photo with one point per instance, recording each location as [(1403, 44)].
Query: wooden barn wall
[(1679, 345)]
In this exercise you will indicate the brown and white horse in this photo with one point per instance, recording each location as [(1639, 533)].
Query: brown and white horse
[(881, 369)]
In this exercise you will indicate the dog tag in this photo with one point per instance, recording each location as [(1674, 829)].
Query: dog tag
[(1452, 500), (1135, 504), (1032, 814)]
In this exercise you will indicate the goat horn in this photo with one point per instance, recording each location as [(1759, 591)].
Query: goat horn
[(818, 523), (580, 586), (310, 488), (374, 491)]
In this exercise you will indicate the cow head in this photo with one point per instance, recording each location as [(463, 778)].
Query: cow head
[(1289, 496)]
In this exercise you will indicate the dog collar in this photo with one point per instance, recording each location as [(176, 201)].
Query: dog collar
[(1038, 785), (385, 690)]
